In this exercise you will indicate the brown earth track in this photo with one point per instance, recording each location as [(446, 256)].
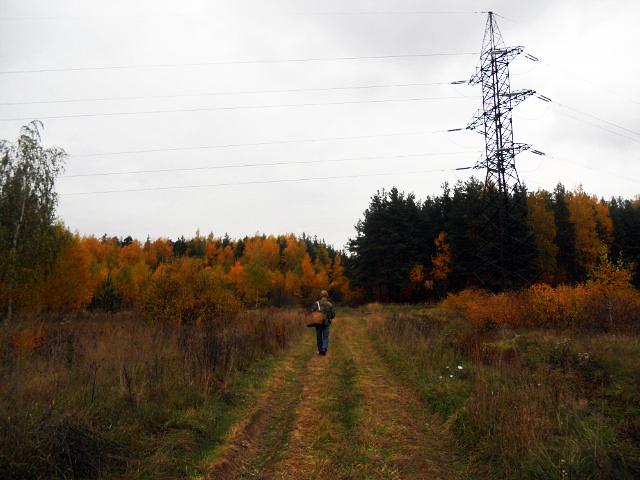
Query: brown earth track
[(401, 436), (243, 440), (299, 459), (389, 435)]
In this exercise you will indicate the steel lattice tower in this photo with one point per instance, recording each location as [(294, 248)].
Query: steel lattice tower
[(499, 232), (494, 120)]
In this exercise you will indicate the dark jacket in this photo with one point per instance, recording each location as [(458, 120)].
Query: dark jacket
[(326, 307)]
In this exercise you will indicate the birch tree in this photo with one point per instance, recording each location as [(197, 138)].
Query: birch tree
[(27, 207)]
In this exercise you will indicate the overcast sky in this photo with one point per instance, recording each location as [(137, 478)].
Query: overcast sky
[(277, 116)]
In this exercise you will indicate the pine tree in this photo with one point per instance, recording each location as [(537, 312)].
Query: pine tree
[(567, 259), (388, 245)]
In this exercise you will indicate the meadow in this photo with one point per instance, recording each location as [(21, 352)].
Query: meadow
[(537, 384), (110, 395), (522, 397)]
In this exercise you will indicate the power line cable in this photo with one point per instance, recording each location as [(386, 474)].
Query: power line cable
[(235, 14), (261, 182), (608, 90), (255, 144), (235, 62), (596, 118), (237, 107), (558, 104), (599, 126), (599, 170), (247, 92), (270, 164), (579, 164)]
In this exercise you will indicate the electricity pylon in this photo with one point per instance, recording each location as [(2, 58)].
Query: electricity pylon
[(494, 120), (502, 221)]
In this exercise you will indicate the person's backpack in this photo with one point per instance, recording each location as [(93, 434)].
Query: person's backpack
[(327, 314)]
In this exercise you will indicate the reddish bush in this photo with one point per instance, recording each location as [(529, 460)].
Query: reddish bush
[(584, 307)]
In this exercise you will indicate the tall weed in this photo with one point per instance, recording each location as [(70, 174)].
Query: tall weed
[(536, 404), (97, 397)]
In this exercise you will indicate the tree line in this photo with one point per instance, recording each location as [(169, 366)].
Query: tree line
[(404, 250), (46, 268), (411, 250), (186, 280)]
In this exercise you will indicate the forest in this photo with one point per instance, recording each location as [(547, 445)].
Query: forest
[(200, 279), (411, 250), (404, 250)]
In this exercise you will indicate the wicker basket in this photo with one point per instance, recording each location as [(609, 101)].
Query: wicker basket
[(314, 319)]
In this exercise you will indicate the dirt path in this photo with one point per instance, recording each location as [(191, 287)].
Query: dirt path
[(343, 416)]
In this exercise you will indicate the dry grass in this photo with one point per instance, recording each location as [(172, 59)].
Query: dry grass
[(105, 396), (531, 403), (373, 307)]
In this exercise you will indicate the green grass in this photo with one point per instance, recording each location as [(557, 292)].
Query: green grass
[(340, 404), (347, 399)]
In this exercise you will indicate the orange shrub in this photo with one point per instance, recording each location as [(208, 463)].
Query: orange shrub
[(470, 304), (572, 302), (581, 307), (543, 307)]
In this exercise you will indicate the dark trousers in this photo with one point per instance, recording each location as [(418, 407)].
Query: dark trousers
[(322, 337)]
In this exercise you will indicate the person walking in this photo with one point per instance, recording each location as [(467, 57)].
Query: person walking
[(322, 331)]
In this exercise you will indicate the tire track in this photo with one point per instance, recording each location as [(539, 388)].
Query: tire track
[(343, 416), (299, 459), (400, 440), (244, 440)]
